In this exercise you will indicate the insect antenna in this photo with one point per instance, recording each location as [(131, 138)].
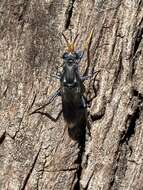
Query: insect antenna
[(70, 35), (65, 39), (75, 39), (88, 40), (86, 47), (71, 44)]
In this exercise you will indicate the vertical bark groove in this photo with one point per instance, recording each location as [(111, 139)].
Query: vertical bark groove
[(69, 13)]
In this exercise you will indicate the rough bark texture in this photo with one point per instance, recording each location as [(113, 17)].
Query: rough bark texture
[(36, 153)]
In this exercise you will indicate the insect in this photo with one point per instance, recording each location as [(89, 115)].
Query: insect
[(71, 87)]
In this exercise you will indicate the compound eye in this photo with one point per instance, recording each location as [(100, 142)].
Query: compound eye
[(79, 54), (76, 55), (65, 55)]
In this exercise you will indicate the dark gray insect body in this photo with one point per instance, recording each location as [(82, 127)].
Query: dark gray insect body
[(72, 90)]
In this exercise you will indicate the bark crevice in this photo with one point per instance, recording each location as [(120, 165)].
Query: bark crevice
[(25, 7), (30, 171), (124, 148), (69, 13), (2, 137), (138, 39)]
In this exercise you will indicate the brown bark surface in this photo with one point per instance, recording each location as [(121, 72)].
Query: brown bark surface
[(39, 154)]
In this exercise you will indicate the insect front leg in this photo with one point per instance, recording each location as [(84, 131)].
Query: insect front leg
[(58, 75), (83, 78), (83, 102)]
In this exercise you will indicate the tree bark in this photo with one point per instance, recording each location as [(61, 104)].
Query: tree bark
[(39, 154)]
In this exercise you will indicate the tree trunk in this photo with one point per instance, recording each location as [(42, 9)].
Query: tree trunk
[(39, 154)]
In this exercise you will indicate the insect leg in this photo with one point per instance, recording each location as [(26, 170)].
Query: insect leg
[(95, 88), (51, 98), (56, 76), (49, 116), (83, 78), (83, 102)]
